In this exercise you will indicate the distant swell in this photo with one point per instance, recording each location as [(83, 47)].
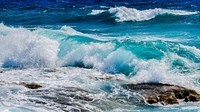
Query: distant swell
[(123, 14)]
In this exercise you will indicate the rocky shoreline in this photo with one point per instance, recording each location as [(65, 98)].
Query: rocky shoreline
[(163, 93), (152, 93)]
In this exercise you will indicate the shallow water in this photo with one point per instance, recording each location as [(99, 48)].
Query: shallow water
[(64, 90), (133, 41)]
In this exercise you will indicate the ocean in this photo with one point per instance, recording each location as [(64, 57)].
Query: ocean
[(68, 44)]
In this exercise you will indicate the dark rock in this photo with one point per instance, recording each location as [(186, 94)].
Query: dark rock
[(163, 93), (80, 97), (31, 85), (170, 99), (192, 97), (151, 100), (63, 97), (50, 70)]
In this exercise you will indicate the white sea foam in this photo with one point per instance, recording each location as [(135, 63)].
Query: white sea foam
[(104, 6), (17, 97), (192, 49), (90, 55), (119, 59), (67, 31), (101, 56), (22, 48), (109, 59), (70, 31), (155, 71), (131, 14), (150, 71), (95, 12)]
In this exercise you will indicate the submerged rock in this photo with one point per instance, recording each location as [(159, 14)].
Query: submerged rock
[(49, 70), (163, 93), (31, 85), (69, 99)]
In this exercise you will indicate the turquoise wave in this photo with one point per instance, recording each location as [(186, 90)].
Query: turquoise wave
[(68, 47)]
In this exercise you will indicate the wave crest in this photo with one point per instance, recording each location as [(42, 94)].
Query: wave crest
[(22, 48), (131, 14), (123, 14)]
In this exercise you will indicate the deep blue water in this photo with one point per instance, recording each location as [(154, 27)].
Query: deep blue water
[(146, 39)]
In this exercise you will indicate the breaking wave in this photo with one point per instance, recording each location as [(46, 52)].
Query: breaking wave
[(123, 14), (68, 47), (22, 48)]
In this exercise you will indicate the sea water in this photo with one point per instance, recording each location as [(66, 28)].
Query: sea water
[(63, 43)]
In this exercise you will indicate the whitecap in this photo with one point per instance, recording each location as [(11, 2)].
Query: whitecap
[(131, 14), (22, 48), (96, 12)]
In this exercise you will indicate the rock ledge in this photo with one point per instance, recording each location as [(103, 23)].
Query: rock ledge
[(163, 93)]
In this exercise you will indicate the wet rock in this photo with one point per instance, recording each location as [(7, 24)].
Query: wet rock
[(192, 97), (65, 92), (64, 97), (31, 85), (151, 100), (163, 93), (169, 99), (49, 70)]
